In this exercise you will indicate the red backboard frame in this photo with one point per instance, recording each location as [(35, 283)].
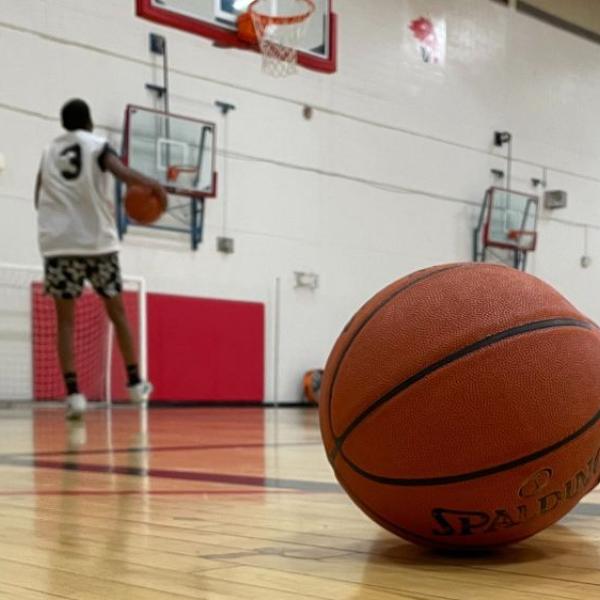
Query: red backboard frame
[(146, 10), (171, 189), (490, 243)]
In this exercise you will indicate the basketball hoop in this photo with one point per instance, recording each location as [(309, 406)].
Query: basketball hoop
[(183, 175), (279, 35), (525, 240)]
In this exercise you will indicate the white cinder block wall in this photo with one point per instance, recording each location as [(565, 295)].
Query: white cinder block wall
[(386, 178)]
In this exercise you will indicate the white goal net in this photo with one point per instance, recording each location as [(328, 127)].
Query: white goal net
[(29, 368)]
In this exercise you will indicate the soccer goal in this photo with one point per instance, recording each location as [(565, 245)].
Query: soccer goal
[(29, 368)]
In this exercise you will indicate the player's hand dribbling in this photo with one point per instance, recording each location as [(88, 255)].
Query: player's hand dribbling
[(160, 192)]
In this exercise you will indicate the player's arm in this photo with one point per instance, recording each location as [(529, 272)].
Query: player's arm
[(38, 187), (112, 163)]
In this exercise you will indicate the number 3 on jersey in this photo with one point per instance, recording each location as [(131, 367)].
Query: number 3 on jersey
[(70, 167)]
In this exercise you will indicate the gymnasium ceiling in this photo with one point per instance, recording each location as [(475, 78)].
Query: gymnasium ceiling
[(580, 16)]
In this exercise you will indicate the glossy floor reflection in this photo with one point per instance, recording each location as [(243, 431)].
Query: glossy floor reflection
[(230, 504)]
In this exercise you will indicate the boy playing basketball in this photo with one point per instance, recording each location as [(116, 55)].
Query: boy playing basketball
[(78, 239)]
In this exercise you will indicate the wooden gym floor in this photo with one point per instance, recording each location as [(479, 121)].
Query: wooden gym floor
[(231, 504)]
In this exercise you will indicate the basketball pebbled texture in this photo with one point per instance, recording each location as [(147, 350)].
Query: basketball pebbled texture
[(460, 406)]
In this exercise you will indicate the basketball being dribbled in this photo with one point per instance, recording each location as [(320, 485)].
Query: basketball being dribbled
[(143, 206), (460, 406)]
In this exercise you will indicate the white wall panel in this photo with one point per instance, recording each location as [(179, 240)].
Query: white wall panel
[(386, 178)]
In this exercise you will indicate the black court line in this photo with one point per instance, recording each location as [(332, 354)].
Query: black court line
[(582, 509), (151, 449), (199, 476)]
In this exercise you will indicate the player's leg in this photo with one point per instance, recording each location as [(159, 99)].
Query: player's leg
[(139, 391), (65, 319), (64, 282), (116, 312), (105, 275)]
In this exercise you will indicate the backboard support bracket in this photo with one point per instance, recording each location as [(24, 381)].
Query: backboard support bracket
[(159, 90), (158, 46), (224, 107), (502, 138)]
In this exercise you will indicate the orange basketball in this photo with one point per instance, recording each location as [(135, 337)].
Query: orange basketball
[(245, 29), (311, 385), (143, 206), (460, 406)]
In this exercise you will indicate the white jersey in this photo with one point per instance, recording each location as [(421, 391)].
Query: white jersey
[(75, 217)]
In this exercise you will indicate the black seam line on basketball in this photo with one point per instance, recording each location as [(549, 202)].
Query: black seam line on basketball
[(383, 303), (484, 343), (408, 286), (450, 479), (381, 520)]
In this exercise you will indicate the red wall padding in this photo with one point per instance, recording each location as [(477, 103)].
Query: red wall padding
[(205, 350), (199, 349)]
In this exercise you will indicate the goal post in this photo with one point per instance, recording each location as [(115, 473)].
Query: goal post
[(29, 368)]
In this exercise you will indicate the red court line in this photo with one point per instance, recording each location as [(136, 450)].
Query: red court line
[(223, 478)]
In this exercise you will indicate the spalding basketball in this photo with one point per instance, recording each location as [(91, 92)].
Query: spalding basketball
[(143, 206), (460, 406)]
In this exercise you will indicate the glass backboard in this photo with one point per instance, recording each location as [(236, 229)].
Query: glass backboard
[(178, 151), (511, 220)]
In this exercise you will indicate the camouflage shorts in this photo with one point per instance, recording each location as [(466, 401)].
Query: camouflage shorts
[(65, 275)]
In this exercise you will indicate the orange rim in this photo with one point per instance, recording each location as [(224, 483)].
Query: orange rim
[(275, 20), (174, 171)]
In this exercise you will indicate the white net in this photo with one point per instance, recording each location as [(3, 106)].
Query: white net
[(29, 368), (280, 28)]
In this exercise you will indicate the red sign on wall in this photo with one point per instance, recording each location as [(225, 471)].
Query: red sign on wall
[(430, 37)]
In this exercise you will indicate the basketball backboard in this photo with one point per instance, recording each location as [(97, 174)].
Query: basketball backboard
[(507, 228), (216, 19), (177, 151), (512, 220)]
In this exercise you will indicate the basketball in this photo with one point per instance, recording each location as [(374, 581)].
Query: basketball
[(245, 29), (460, 405), (143, 206), (311, 384)]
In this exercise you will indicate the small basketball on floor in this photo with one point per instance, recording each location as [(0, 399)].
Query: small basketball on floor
[(460, 406), (311, 385), (143, 206)]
